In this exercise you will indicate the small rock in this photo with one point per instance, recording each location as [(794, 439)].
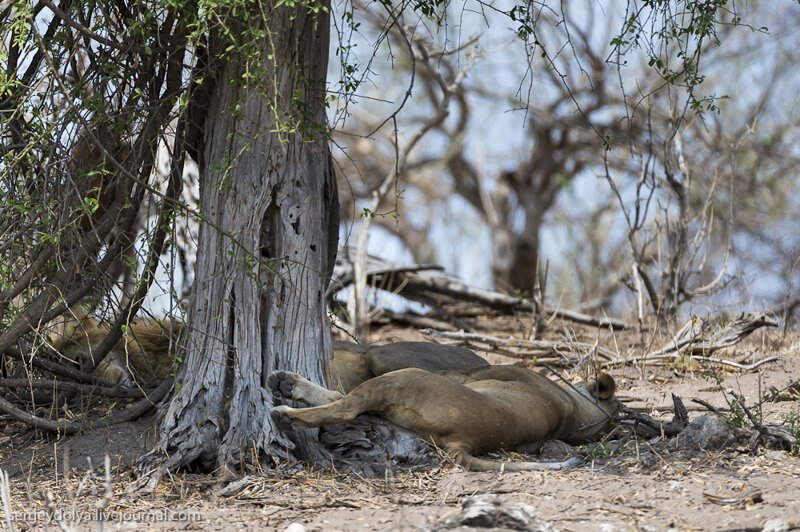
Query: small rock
[(556, 450), (778, 456), (489, 511), (674, 485), (776, 525), (709, 432), (295, 527)]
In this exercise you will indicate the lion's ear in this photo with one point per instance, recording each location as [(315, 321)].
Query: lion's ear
[(604, 387)]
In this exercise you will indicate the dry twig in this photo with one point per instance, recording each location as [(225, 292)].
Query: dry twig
[(136, 411), (695, 341), (520, 348)]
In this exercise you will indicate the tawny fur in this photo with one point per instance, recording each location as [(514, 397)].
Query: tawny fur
[(353, 364), (145, 353), (465, 412)]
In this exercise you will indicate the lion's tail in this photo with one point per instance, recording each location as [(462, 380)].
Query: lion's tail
[(473, 463)]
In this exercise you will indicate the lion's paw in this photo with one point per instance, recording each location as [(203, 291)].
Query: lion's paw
[(282, 384), (280, 415)]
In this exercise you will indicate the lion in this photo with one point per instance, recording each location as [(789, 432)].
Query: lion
[(353, 364), (145, 354), (466, 411)]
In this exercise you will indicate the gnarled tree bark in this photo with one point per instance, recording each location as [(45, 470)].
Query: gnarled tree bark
[(268, 240)]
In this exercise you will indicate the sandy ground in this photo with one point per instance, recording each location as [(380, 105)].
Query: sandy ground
[(673, 494), (641, 485)]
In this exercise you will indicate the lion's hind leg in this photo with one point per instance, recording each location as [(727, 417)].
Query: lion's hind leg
[(335, 413), (290, 385)]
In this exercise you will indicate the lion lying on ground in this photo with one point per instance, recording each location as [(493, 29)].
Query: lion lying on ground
[(353, 364), (145, 354), (466, 410)]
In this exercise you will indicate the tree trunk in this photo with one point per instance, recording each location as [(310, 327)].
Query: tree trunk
[(516, 255), (266, 249)]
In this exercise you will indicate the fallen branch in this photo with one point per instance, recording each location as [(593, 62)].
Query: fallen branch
[(511, 346), (55, 368), (662, 408), (695, 341), (778, 432), (414, 284), (695, 336), (416, 320), (344, 275), (448, 286), (135, 411), (61, 386), (710, 407), (645, 426), (663, 359)]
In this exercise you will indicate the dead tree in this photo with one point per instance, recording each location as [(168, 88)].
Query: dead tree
[(698, 184)]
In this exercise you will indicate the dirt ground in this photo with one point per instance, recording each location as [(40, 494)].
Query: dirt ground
[(633, 484)]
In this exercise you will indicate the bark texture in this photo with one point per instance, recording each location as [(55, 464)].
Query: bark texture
[(265, 253)]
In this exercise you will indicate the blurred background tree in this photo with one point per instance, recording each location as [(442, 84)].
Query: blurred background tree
[(598, 151)]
